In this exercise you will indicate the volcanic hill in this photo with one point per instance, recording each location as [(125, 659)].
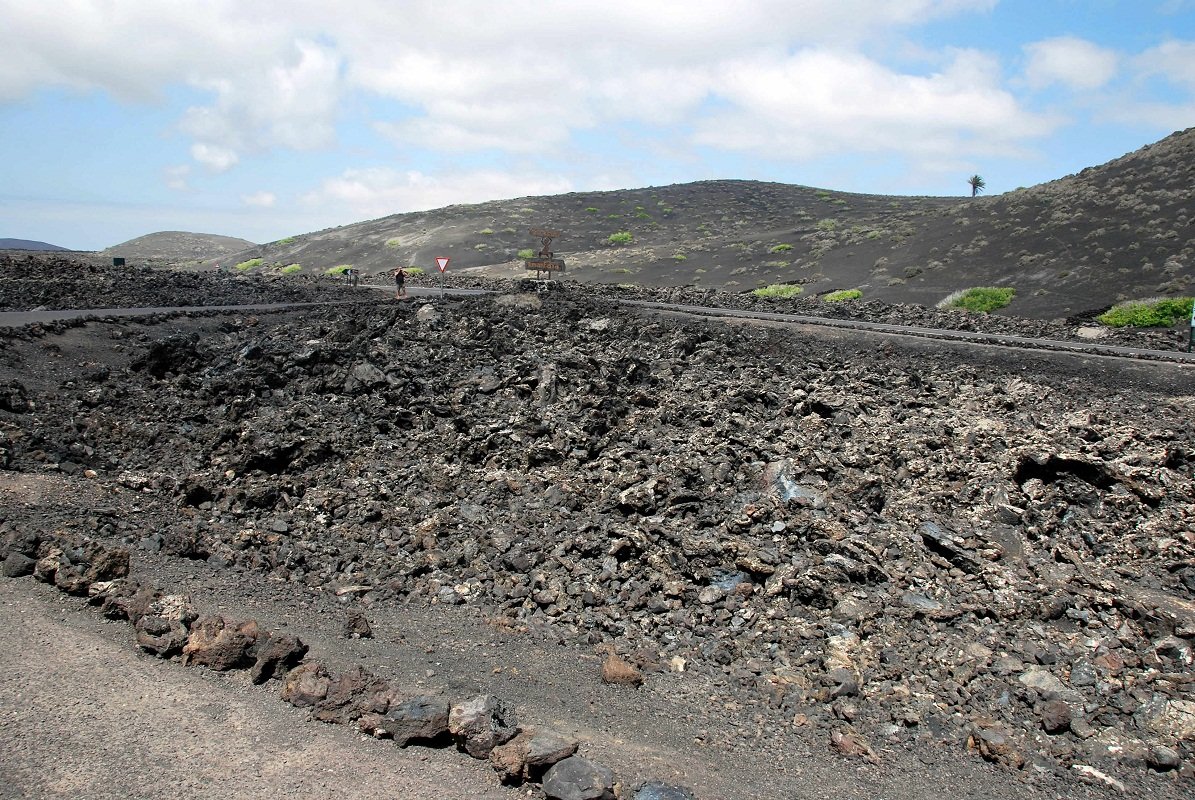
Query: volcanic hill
[(1114, 232), (178, 246)]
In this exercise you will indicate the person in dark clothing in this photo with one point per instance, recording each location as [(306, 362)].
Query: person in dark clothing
[(400, 283)]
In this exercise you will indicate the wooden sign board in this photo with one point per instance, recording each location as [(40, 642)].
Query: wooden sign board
[(543, 233), (546, 264)]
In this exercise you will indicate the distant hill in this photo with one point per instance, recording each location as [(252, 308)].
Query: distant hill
[(28, 244), (178, 246), (1118, 231)]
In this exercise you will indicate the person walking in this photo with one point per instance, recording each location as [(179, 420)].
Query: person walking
[(400, 283)]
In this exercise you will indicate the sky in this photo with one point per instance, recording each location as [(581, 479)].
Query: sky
[(268, 118)]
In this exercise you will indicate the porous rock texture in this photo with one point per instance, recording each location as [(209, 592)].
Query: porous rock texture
[(987, 551), (56, 282)]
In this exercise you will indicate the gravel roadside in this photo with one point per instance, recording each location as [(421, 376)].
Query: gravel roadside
[(86, 716)]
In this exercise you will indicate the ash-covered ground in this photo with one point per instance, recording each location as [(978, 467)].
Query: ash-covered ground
[(929, 548)]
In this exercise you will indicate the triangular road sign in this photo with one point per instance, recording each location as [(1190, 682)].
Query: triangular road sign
[(442, 262)]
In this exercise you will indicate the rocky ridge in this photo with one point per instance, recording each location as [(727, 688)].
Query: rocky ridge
[(62, 282)]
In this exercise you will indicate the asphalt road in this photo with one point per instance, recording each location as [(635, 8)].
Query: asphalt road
[(12, 319)]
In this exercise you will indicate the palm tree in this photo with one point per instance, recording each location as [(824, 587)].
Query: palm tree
[(976, 183)]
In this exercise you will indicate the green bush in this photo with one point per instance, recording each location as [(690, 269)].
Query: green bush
[(487, 232), (591, 210), (338, 269), (622, 237), (780, 248), (843, 294), (245, 266), (286, 240), (415, 270), (1148, 313), (779, 291), (827, 225), (679, 257), (395, 242), (982, 299), (291, 269), (526, 254)]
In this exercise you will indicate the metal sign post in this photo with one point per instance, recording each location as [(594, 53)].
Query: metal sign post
[(442, 264), (1191, 339), (544, 261)]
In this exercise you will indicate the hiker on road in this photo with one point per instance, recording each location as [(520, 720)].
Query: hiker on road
[(400, 283)]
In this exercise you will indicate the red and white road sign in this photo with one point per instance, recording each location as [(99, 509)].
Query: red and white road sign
[(442, 262)]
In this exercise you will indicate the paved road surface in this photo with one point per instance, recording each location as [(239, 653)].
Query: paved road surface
[(17, 318)]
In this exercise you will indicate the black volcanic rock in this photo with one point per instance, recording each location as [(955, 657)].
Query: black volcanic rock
[(920, 544)]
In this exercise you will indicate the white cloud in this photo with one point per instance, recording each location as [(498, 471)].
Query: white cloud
[(788, 78), (822, 102), (289, 104), (382, 191), (1068, 60), (1173, 60), (176, 177), (261, 199), (512, 74), (215, 158), (520, 78)]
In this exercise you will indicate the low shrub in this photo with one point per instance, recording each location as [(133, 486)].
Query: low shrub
[(622, 237), (843, 294), (526, 254), (591, 210), (291, 269), (778, 291), (285, 240), (415, 270), (780, 248), (679, 257), (1160, 313), (981, 299), (395, 242), (487, 231), (338, 269), (245, 266)]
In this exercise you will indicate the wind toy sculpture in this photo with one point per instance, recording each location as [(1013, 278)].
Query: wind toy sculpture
[(545, 263)]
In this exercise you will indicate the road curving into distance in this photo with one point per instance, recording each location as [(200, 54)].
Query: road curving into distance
[(11, 319)]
